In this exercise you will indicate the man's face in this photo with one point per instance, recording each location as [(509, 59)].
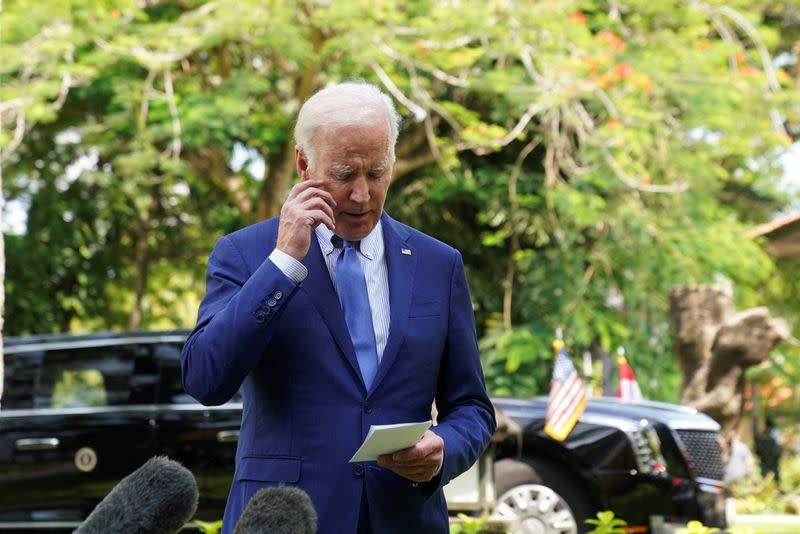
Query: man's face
[(355, 164)]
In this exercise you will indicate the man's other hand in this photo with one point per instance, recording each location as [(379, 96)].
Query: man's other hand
[(307, 206), (419, 463)]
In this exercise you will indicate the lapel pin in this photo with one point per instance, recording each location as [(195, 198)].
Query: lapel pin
[(406, 251)]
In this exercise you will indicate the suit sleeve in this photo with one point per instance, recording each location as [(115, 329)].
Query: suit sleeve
[(465, 413), (235, 323)]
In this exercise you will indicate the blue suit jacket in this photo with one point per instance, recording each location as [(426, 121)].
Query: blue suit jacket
[(306, 409)]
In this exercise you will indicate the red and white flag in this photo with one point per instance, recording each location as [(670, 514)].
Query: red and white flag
[(567, 396), (628, 389)]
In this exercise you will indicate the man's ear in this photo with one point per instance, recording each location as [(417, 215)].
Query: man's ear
[(301, 161)]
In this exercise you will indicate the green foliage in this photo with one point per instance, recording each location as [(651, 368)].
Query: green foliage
[(762, 495), (469, 525), (209, 528), (606, 523), (696, 527), (517, 360), (79, 389)]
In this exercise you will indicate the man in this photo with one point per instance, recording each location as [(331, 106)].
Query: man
[(334, 317), (740, 460), (768, 450)]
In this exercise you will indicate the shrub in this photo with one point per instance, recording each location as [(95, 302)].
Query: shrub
[(606, 523)]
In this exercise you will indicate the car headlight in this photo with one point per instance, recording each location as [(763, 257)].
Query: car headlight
[(646, 447)]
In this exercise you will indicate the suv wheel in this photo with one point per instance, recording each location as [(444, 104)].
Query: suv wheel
[(539, 499)]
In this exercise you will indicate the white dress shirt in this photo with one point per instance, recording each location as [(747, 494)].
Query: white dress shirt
[(373, 263)]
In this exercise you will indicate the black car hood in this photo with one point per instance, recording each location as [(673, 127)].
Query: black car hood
[(610, 411)]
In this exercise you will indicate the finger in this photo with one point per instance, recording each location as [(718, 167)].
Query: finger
[(316, 191), (299, 209), (305, 185), (417, 452), (316, 217), (427, 462), (316, 203), (416, 475)]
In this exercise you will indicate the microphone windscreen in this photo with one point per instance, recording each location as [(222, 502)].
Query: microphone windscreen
[(158, 498), (278, 510)]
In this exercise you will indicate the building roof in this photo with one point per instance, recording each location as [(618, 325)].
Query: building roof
[(783, 236)]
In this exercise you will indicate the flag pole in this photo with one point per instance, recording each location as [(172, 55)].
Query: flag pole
[(588, 372)]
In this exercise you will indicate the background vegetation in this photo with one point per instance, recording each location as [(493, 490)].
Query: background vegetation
[(586, 156)]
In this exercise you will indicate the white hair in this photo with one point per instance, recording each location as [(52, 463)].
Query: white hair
[(344, 104)]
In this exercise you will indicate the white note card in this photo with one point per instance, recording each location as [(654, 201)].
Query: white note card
[(383, 439)]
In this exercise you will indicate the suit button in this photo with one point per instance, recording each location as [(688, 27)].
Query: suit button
[(260, 318), (358, 470), (266, 311), (368, 407), (272, 302), (278, 295)]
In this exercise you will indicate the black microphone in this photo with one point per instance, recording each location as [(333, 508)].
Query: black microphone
[(278, 510), (158, 498)]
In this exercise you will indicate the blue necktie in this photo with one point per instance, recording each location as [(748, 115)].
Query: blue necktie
[(352, 288)]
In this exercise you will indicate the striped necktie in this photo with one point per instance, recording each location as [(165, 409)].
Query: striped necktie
[(353, 296)]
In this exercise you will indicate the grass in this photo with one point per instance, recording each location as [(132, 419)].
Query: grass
[(767, 524)]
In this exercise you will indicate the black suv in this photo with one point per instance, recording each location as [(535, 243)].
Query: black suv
[(654, 464), (81, 412)]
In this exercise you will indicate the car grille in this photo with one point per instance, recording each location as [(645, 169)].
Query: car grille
[(705, 454)]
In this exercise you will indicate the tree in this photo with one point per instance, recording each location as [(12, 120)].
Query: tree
[(715, 347), (584, 156)]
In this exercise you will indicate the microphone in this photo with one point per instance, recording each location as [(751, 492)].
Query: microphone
[(278, 510), (158, 498)]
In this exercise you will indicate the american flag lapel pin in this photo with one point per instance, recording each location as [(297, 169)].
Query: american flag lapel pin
[(405, 251)]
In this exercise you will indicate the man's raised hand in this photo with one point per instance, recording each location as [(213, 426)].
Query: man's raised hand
[(307, 206)]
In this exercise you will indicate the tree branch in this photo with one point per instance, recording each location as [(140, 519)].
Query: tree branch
[(175, 149), (417, 110), (508, 293), (678, 187)]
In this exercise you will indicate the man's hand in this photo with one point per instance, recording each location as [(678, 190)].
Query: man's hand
[(307, 206), (419, 463)]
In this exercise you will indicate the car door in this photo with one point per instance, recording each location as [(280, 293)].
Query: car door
[(81, 435), (21, 369), (202, 438)]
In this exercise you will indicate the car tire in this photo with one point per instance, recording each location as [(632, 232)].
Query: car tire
[(540, 498)]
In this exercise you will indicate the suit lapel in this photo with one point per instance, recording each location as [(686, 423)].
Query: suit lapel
[(401, 268), (319, 288)]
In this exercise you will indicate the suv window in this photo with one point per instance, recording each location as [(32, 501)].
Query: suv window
[(85, 377), (20, 375), (170, 386)]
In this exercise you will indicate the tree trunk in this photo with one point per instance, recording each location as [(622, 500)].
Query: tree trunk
[(211, 166), (281, 164), (714, 346), (142, 258), (610, 373), (279, 174)]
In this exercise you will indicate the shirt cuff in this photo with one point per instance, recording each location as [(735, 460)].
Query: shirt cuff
[(289, 266)]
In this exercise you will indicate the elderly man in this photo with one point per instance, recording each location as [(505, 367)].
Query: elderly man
[(334, 317)]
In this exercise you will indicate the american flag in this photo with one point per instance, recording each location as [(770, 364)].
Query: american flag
[(567, 396), (628, 390)]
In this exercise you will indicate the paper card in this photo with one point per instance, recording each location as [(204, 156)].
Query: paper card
[(383, 439)]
